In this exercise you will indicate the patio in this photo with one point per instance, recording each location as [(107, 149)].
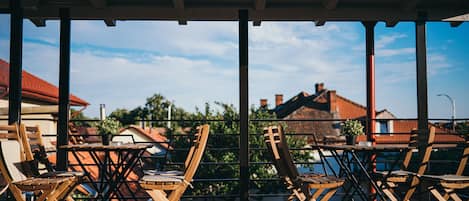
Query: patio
[(369, 12)]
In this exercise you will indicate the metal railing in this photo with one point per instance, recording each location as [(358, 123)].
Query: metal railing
[(213, 183)]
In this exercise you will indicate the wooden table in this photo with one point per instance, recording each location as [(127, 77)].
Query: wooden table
[(113, 171), (348, 156)]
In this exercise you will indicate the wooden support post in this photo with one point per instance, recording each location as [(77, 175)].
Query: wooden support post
[(422, 97), (64, 88), (16, 57), (243, 105), (370, 81), (370, 90)]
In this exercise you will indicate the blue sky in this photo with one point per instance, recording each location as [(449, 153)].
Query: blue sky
[(121, 66)]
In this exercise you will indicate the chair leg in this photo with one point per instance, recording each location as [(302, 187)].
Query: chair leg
[(452, 194), (318, 193), (157, 195), (413, 186), (46, 195), (65, 189), (388, 191), (299, 194), (329, 194), (437, 194), (292, 197), (17, 194)]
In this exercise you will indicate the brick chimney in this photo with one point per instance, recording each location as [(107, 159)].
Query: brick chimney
[(278, 99), (263, 102), (332, 99), (319, 87)]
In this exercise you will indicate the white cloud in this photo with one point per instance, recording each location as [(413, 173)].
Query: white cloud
[(198, 63), (383, 52), (385, 40)]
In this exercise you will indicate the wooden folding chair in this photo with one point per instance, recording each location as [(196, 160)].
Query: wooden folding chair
[(300, 185), (190, 154), (449, 183), (34, 149), (175, 185), (396, 178), (31, 139), (12, 160)]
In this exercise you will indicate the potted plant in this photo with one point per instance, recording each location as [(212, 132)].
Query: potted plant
[(351, 129), (106, 128)]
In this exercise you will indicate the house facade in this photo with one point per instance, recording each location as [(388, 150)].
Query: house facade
[(327, 109), (39, 102)]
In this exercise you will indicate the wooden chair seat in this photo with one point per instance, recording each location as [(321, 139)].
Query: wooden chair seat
[(61, 174), (171, 187), (159, 172), (450, 181), (391, 180), (396, 176), (37, 184), (444, 186), (322, 181), (163, 182), (301, 185)]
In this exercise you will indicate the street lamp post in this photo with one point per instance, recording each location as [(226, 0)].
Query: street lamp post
[(453, 106)]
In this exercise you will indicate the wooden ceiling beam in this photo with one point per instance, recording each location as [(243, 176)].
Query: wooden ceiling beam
[(110, 22), (319, 23), (30, 4), (391, 23), (179, 6), (4, 4), (330, 4), (98, 3), (409, 5), (268, 14), (455, 24), (39, 22), (259, 5)]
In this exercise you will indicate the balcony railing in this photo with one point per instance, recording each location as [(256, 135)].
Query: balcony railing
[(213, 185)]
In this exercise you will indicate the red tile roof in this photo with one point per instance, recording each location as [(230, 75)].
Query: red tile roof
[(85, 158), (348, 109), (36, 88), (153, 134)]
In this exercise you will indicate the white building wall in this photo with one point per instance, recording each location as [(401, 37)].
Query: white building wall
[(138, 137)]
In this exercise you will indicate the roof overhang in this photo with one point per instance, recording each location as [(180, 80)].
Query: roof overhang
[(319, 11)]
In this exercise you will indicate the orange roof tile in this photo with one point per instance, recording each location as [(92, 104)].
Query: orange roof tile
[(153, 134), (348, 109), (85, 158), (36, 88)]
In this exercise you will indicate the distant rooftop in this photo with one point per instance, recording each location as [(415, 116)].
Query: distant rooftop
[(35, 88)]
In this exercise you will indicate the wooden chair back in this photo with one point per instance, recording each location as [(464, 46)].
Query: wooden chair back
[(11, 132), (10, 157), (195, 159), (415, 181), (31, 139), (464, 157), (412, 143), (283, 162), (196, 140), (428, 150)]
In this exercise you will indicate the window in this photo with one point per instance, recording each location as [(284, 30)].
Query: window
[(383, 126)]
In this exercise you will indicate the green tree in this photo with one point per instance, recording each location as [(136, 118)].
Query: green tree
[(78, 118), (223, 146), (155, 108), (124, 116)]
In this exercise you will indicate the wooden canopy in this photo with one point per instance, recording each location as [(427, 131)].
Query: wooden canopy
[(319, 11)]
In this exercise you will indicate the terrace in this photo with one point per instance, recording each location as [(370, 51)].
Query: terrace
[(319, 11)]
